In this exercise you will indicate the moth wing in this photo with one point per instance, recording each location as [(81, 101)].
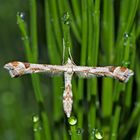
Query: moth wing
[(84, 72)]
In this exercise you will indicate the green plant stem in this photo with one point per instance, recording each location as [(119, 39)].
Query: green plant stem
[(91, 86), (96, 23), (82, 59), (131, 121), (108, 30), (23, 28), (129, 55), (126, 24), (107, 102), (33, 29), (73, 132), (37, 127), (35, 78), (138, 131), (137, 77), (93, 46), (73, 24), (115, 123), (76, 9), (57, 28), (52, 45), (90, 32), (84, 33), (108, 44)]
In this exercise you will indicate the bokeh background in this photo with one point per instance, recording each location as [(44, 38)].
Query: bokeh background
[(15, 109), (99, 103)]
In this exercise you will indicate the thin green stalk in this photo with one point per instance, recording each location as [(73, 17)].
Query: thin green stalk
[(74, 28), (36, 86), (65, 136), (126, 27), (137, 72), (23, 28), (35, 78), (57, 28), (93, 46), (36, 127), (33, 29), (96, 24), (129, 56), (84, 45), (84, 33), (107, 102), (117, 89), (138, 31), (134, 6), (73, 132), (67, 45), (108, 44), (52, 45), (108, 30), (138, 131), (91, 86), (123, 17), (131, 122), (115, 124), (90, 32), (138, 24), (77, 12), (64, 7), (94, 61), (82, 58)]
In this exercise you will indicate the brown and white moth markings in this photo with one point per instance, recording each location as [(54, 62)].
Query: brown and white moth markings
[(17, 69)]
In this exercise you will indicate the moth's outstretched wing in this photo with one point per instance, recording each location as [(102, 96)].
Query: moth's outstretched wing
[(121, 73), (17, 68), (84, 72)]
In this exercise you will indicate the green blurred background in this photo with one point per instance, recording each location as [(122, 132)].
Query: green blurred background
[(16, 98), (18, 103)]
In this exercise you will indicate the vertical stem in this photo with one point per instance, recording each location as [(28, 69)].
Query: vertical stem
[(138, 131), (33, 29), (57, 28), (75, 29), (83, 57), (96, 23), (32, 56), (77, 12), (91, 83), (115, 123), (108, 44), (52, 45)]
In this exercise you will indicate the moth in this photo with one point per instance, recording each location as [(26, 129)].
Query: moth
[(17, 69)]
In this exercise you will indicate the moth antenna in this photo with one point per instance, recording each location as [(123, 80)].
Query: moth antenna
[(63, 59)]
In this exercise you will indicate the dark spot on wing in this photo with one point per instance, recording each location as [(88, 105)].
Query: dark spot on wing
[(111, 68), (68, 88), (123, 69), (16, 76), (36, 69), (27, 65)]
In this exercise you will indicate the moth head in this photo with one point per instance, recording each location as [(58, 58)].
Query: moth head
[(70, 62)]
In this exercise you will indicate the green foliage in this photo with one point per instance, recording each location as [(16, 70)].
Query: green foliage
[(97, 33)]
